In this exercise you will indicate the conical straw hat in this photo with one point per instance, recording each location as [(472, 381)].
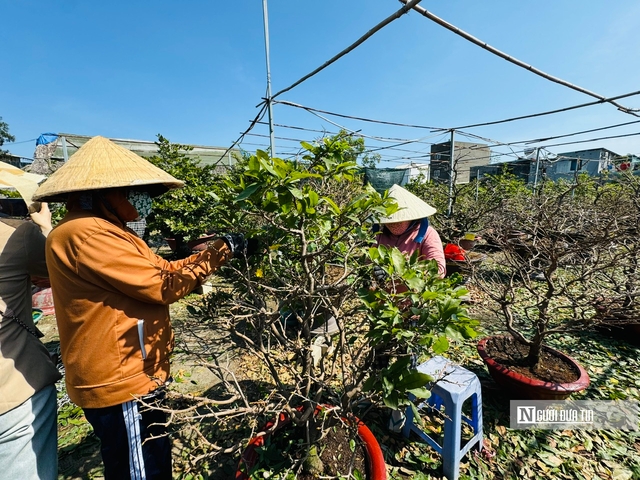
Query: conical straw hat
[(99, 164), (411, 207), (25, 183)]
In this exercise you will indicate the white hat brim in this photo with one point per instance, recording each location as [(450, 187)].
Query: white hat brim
[(410, 206)]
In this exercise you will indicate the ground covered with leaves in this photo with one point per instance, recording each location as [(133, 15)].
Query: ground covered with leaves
[(612, 364)]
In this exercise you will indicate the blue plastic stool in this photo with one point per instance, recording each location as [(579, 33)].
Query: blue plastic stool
[(452, 386)]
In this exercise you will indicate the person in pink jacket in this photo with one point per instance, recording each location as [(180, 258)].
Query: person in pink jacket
[(408, 228)]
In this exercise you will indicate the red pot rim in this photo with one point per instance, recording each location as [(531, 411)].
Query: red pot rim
[(580, 384), (375, 457)]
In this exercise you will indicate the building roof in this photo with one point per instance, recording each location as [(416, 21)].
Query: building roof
[(577, 153), (206, 154)]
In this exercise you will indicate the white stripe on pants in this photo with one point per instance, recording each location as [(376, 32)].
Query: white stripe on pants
[(132, 424)]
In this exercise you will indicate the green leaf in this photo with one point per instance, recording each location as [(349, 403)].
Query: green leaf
[(297, 193), (415, 283), (313, 198), (451, 332), (254, 163), (440, 345), (247, 192), (332, 205), (416, 414), (422, 393), (414, 380), (399, 261)]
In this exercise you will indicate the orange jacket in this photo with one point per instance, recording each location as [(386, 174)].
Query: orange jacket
[(111, 295)]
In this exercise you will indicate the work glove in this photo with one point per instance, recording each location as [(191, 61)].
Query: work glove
[(239, 245), (380, 275)]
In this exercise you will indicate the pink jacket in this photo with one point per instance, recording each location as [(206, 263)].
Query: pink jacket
[(430, 248)]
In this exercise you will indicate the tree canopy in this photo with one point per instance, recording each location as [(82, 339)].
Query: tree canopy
[(5, 136)]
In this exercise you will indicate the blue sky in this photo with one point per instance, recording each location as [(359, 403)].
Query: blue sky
[(194, 71)]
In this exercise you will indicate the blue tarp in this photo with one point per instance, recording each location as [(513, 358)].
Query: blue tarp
[(46, 138)]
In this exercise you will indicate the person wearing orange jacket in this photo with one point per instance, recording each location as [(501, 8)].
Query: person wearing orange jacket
[(112, 294)]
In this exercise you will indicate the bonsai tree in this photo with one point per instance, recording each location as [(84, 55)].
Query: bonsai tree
[(550, 279), (411, 317), (185, 213), (306, 307), (472, 203), (621, 307)]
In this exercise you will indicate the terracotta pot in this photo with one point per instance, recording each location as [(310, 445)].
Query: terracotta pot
[(172, 243), (200, 243), (467, 244), (528, 388), (376, 468)]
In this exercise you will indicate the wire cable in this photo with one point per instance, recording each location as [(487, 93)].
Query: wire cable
[(515, 61), (408, 6), (22, 141)]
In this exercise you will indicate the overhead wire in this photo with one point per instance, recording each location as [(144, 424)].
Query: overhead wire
[(461, 127), (408, 5), (269, 101), (413, 5), (539, 140), (18, 143), (515, 61), (594, 139)]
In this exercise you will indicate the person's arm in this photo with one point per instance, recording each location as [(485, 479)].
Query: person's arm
[(431, 249), (134, 270)]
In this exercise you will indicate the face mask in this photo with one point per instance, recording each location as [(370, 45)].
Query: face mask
[(141, 201), (398, 228)]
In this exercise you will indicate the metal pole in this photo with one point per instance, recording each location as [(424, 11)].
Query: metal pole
[(65, 155), (451, 180), (265, 16), (535, 177)]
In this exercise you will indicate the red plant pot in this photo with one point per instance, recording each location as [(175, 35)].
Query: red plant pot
[(376, 468), (530, 388)]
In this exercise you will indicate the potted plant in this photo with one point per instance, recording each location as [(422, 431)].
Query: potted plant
[(465, 209), (183, 216), (619, 311), (314, 220), (549, 282)]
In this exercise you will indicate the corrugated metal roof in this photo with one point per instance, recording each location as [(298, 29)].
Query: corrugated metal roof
[(206, 154)]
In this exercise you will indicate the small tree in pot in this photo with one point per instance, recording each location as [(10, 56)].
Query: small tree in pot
[(549, 280), (472, 203), (185, 214), (296, 306), (620, 309)]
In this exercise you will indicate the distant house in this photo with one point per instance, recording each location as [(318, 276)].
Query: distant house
[(466, 155), (592, 162), (523, 168), (415, 170), (67, 144), (14, 160), (563, 166)]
